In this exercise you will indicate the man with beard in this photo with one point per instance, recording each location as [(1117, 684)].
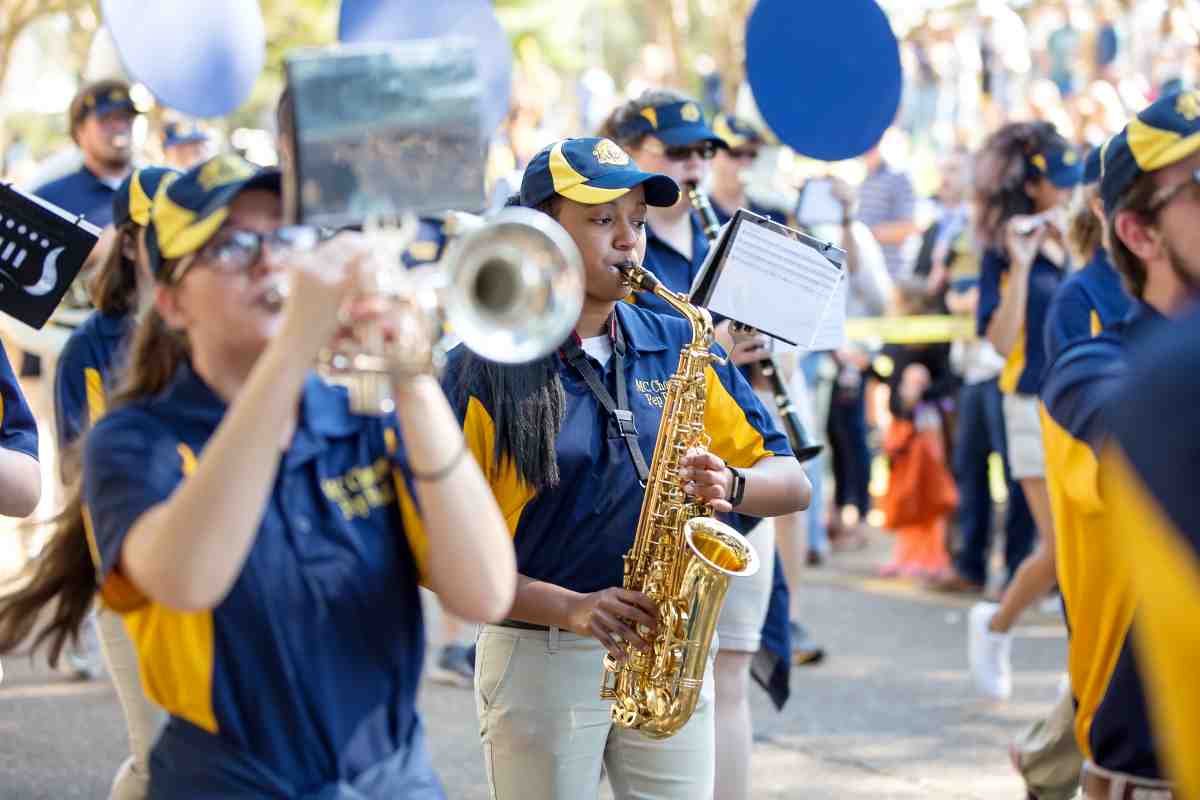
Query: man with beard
[(101, 118), (101, 122), (1149, 189)]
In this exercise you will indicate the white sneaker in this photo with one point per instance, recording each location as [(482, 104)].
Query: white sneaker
[(989, 653)]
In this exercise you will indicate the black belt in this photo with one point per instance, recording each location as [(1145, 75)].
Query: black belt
[(524, 626)]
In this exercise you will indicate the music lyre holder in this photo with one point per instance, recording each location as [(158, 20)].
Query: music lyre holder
[(42, 249)]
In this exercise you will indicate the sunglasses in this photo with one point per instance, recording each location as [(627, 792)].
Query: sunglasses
[(743, 153), (236, 250), (703, 150)]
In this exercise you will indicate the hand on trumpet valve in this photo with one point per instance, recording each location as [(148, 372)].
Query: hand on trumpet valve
[(314, 287)]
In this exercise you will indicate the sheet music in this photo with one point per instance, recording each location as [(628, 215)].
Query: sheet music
[(831, 334), (777, 284)]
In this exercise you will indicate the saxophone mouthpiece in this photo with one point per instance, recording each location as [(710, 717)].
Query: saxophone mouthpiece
[(638, 276)]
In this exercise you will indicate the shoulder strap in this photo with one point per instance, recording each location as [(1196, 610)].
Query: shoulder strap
[(619, 409)]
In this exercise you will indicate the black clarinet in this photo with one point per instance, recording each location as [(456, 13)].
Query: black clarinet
[(803, 447)]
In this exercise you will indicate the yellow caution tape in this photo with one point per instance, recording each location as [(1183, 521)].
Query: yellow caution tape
[(922, 329)]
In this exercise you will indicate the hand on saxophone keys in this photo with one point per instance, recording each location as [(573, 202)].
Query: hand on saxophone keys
[(616, 618), (705, 477)]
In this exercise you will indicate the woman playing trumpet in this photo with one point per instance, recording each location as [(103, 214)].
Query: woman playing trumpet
[(567, 483), (246, 523)]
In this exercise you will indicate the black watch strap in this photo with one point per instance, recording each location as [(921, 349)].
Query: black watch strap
[(738, 488)]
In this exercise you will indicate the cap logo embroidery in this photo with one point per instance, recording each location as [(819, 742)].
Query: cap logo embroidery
[(607, 152), (116, 95), (651, 115), (1070, 157), (1188, 106), (690, 113), (221, 171)]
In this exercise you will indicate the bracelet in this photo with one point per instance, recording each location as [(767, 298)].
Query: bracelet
[(443, 472)]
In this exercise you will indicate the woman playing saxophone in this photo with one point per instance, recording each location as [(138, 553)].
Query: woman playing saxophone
[(563, 470)]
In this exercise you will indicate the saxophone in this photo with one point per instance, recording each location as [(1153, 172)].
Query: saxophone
[(681, 558)]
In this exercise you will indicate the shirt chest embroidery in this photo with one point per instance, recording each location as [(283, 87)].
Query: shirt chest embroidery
[(361, 489), (652, 390)]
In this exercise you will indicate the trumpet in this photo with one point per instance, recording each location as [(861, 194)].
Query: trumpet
[(510, 288)]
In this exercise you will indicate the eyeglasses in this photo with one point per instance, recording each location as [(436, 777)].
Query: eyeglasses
[(1163, 197), (702, 150), (747, 153), (237, 250)]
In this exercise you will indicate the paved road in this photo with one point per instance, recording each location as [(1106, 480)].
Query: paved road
[(890, 714)]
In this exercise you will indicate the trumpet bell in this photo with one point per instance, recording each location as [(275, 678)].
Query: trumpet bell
[(514, 286)]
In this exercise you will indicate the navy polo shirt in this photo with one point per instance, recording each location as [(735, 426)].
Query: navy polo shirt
[(85, 372), (18, 429), (307, 670), (81, 193), (1155, 424), (1023, 368), (575, 534), (1089, 301), (669, 266), (1110, 716)]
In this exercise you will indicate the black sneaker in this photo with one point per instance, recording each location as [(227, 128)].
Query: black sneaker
[(454, 666), (804, 649)]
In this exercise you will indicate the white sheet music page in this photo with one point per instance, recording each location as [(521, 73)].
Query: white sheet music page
[(776, 284), (831, 334)]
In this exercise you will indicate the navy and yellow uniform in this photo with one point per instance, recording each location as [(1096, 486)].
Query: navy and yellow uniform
[(1023, 368), (575, 534), (1089, 301), (81, 383), (1151, 467), (88, 359), (283, 688), (1096, 583), (18, 429)]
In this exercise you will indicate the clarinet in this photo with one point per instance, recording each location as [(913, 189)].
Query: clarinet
[(804, 448)]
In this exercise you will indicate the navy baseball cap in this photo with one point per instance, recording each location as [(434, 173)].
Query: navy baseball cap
[(188, 211), (591, 171), (100, 98), (135, 195), (674, 124), (1165, 132), (176, 133), (736, 132), (1059, 162)]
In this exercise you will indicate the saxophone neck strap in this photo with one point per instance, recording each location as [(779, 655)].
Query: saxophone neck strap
[(617, 409)]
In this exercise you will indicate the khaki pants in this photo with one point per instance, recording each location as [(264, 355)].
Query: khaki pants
[(547, 735), (143, 719), (1047, 754)]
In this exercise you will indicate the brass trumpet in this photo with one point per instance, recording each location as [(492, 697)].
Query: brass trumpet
[(510, 288)]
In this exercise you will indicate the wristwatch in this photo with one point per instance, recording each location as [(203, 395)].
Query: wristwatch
[(737, 488)]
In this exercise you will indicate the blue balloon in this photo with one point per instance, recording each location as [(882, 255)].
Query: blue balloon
[(825, 76), (394, 20), (200, 58)]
